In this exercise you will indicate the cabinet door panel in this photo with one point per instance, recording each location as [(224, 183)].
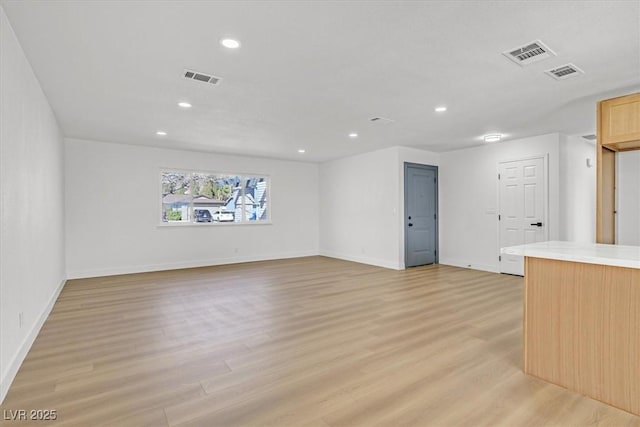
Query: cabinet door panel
[(620, 122)]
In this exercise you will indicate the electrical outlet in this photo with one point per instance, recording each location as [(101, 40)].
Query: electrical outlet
[(21, 319), (236, 250)]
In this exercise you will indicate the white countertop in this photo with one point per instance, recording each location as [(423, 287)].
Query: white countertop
[(591, 253)]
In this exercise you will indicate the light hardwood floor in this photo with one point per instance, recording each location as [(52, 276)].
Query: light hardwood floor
[(303, 342)]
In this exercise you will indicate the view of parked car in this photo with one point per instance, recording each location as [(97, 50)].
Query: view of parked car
[(223, 216), (202, 215)]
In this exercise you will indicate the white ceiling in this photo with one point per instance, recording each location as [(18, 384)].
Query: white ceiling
[(309, 73)]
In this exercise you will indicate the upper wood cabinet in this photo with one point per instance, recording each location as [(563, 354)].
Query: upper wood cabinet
[(619, 120), (618, 130)]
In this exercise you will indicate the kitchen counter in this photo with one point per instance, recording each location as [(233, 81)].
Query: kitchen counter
[(582, 318), (590, 253)]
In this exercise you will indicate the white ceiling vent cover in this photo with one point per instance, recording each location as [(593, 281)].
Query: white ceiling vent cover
[(564, 72), (201, 77), (528, 54)]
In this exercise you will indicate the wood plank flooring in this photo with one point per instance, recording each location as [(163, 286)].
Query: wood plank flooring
[(302, 342)]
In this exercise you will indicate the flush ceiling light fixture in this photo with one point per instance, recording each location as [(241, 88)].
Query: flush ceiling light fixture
[(301, 151), (161, 133), (441, 109), (493, 137), (353, 135), (230, 43), (184, 105)]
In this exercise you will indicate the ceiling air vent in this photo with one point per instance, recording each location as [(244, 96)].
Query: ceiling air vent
[(564, 72), (529, 53), (201, 77)]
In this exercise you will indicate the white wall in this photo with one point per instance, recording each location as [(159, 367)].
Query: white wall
[(361, 199), (31, 206), (361, 204), (113, 211), (628, 198), (577, 190), (469, 198)]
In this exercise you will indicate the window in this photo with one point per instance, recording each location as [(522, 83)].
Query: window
[(204, 197)]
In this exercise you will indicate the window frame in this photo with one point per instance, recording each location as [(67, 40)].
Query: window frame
[(192, 223)]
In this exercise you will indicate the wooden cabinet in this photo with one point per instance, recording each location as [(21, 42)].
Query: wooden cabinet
[(620, 123), (618, 130), (582, 329)]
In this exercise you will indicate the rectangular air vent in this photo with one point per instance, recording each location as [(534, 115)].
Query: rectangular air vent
[(529, 53), (564, 72), (201, 77)]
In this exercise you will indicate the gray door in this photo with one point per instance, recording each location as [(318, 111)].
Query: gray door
[(421, 220)]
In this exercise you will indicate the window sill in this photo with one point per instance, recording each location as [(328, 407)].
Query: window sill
[(211, 224)]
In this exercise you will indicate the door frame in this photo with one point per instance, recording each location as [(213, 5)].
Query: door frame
[(545, 199), (405, 221)]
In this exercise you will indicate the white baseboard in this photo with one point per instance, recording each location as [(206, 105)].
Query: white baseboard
[(27, 342), (363, 260), (100, 272), (463, 264)]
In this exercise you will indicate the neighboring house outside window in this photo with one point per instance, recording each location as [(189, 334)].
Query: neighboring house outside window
[(203, 197)]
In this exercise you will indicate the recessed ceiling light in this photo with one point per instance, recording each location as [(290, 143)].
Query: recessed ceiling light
[(353, 135), (441, 109), (161, 133), (494, 137), (301, 151), (230, 43), (184, 105)]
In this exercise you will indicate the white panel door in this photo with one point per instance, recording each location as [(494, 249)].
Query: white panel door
[(522, 212)]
